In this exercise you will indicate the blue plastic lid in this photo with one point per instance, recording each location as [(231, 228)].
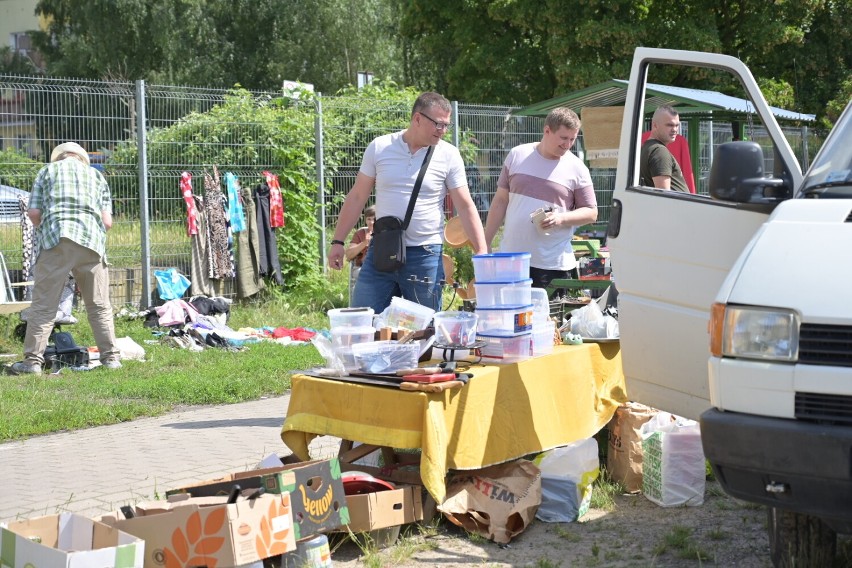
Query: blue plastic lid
[(505, 307), (502, 334), (504, 255), (504, 282)]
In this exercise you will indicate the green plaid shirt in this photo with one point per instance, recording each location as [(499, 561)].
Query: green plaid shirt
[(71, 196)]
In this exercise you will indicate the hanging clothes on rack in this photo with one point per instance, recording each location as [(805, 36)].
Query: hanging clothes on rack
[(276, 200), (268, 244), (218, 237), (249, 281), (236, 215), (201, 283), (191, 209), (28, 247)]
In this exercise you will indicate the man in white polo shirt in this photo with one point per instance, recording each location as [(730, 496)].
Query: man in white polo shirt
[(544, 176), (391, 164)]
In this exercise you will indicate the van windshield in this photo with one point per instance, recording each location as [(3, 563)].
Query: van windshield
[(830, 176)]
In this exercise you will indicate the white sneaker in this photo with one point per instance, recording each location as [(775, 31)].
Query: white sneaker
[(112, 364)]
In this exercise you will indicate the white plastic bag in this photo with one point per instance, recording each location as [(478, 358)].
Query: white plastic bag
[(590, 321), (673, 470), (567, 475), (129, 349)]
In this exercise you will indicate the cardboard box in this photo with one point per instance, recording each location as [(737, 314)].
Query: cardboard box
[(316, 489), (381, 509), (67, 540), (209, 532)]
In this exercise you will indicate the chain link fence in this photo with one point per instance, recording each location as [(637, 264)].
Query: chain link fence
[(118, 121)]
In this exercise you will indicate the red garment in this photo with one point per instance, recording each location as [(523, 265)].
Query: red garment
[(297, 334), (191, 211), (276, 201), (680, 150)]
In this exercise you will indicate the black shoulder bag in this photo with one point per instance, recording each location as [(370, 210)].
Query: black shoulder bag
[(389, 232)]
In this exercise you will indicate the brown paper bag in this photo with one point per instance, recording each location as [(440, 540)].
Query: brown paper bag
[(624, 451), (497, 502)]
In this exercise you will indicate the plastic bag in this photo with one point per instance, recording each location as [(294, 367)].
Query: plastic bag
[(333, 363), (567, 475), (171, 284), (590, 321), (673, 471)]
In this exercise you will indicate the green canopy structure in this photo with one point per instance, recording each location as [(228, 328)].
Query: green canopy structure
[(695, 103)]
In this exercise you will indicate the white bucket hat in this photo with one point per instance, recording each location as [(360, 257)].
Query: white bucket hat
[(72, 148)]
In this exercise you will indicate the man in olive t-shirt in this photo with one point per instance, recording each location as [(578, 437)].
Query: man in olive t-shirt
[(657, 167)]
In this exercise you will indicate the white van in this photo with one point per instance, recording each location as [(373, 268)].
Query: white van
[(736, 307)]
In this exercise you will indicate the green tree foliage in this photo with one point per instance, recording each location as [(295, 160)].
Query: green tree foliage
[(254, 43), (17, 169), (523, 51)]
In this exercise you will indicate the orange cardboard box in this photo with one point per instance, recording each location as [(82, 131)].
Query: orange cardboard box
[(207, 531)]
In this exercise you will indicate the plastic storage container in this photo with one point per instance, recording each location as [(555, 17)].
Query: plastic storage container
[(490, 294), (455, 329), (350, 317), (409, 315), (501, 348), (385, 356), (348, 336), (501, 266), (541, 305), (505, 319), (542, 337)]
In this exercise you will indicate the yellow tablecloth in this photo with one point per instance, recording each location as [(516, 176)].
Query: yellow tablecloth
[(503, 413)]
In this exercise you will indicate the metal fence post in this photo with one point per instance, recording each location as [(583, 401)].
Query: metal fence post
[(145, 301), (454, 118), (318, 141)]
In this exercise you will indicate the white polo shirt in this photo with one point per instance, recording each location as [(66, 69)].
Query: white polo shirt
[(388, 160)]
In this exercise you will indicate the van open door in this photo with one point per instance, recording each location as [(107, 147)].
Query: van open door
[(671, 251)]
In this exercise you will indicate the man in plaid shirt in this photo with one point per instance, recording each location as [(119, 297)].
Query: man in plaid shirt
[(71, 208)]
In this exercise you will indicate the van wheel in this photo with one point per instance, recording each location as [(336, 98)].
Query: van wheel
[(799, 540)]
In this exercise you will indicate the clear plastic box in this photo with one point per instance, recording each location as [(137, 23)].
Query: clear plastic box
[(542, 337), (505, 319), (492, 294), (409, 315), (455, 329), (385, 356), (347, 336), (501, 348), (541, 305), (350, 317), (501, 266)]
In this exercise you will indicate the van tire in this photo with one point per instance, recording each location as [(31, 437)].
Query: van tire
[(797, 540)]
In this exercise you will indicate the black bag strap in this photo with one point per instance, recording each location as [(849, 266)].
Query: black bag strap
[(416, 189)]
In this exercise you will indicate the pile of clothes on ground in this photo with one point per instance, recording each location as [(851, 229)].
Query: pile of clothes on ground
[(202, 322)]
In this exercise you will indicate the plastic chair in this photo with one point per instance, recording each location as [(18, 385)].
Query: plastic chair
[(8, 303)]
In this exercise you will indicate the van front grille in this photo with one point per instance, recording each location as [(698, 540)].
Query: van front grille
[(824, 408), (821, 344)]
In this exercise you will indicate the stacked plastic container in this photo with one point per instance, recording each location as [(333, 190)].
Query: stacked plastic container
[(504, 306), (350, 327), (543, 328)]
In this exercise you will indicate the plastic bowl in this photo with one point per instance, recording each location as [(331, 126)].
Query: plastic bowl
[(455, 329)]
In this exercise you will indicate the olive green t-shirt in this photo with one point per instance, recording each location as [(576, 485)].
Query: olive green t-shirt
[(656, 160)]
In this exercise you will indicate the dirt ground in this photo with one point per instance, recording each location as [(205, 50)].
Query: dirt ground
[(721, 532)]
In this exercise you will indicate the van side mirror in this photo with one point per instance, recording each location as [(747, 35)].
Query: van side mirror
[(738, 175)]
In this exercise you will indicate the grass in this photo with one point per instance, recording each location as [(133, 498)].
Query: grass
[(168, 378)]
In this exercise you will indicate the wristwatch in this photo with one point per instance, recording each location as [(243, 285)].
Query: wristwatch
[(337, 242)]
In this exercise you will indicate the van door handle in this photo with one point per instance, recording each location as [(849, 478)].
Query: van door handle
[(614, 225)]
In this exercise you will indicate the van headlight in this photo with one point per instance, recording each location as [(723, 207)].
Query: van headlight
[(754, 333)]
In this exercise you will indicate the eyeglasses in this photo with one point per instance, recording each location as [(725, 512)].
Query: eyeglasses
[(438, 125)]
